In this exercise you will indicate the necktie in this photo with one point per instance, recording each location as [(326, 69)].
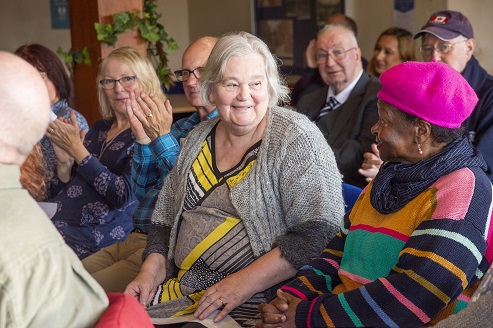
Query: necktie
[(329, 105)]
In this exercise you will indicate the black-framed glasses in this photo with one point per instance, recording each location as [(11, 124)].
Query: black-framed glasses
[(443, 48), (126, 81), (183, 74), (336, 54)]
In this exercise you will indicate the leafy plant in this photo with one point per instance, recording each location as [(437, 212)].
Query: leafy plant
[(74, 56), (159, 44)]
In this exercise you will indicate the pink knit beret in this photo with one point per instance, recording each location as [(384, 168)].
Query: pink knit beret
[(433, 91)]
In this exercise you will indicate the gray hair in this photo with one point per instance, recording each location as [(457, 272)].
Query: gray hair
[(336, 27), (242, 44), (140, 66)]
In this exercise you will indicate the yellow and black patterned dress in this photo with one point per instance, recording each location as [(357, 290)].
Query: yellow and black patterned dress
[(212, 241)]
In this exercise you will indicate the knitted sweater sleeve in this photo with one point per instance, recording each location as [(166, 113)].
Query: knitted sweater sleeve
[(310, 195), (437, 263)]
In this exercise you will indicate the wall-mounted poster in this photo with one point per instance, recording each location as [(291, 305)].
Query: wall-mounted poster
[(278, 34), (269, 3), (325, 8), (287, 26), (59, 14), (300, 9)]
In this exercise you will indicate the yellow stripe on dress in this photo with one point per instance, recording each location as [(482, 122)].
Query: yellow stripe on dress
[(234, 180), (205, 244), (195, 298), (202, 166)]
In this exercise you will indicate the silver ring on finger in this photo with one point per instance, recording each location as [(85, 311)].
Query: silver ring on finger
[(149, 115)]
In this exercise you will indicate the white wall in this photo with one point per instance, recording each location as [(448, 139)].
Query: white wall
[(27, 21), (374, 16)]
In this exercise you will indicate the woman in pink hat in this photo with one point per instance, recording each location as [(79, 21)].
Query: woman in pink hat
[(415, 246)]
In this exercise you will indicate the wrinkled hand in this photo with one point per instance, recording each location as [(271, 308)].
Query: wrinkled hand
[(229, 292), (149, 117), (66, 134), (310, 52), (280, 312), (371, 164), (142, 288), (62, 156)]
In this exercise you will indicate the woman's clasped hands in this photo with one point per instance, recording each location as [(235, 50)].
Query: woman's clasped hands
[(280, 312)]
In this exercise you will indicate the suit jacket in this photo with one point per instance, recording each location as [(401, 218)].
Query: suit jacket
[(347, 128)]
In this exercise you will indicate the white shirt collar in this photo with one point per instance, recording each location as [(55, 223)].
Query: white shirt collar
[(342, 96)]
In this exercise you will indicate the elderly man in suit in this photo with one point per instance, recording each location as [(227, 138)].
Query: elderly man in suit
[(346, 109)]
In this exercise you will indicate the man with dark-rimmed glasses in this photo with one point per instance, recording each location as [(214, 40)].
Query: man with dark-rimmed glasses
[(346, 109), (448, 37)]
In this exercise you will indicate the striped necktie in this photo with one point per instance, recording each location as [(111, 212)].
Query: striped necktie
[(331, 104)]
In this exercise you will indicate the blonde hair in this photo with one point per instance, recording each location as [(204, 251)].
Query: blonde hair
[(141, 67)]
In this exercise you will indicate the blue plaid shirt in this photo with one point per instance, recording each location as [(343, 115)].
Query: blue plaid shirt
[(152, 164)]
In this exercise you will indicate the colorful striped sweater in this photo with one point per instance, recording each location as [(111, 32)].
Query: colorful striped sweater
[(404, 269)]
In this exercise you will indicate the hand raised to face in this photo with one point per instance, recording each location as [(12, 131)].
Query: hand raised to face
[(149, 116)]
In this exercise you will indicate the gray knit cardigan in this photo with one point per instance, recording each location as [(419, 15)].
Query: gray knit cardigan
[(292, 197)]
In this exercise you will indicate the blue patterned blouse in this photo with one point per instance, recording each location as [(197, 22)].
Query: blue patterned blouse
[(95, 207)]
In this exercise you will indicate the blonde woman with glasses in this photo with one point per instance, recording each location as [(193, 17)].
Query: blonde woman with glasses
[(93, 192)]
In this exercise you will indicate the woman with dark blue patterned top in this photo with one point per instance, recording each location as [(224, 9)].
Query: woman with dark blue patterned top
[(94, 196), (59, 89)]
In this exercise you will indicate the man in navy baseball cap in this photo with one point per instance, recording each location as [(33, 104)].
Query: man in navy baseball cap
[(448, 37), (447, 25)]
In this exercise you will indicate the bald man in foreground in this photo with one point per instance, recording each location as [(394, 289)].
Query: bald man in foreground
[(115, 266), (42, 281)]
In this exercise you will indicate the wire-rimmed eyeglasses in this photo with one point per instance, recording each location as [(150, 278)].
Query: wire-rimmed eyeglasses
[(443, 48), (336, 54)]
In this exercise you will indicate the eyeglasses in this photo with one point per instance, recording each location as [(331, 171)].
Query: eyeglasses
[(184, 74), (443, 48), (336, 54), (126, 81)]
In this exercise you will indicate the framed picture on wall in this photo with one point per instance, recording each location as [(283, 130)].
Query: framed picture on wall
[(287, 26)]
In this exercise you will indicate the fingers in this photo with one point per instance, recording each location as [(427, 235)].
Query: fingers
[(224, 312), (168, 107), (271, 315), (73, 119), (209, 304), (375, 150)]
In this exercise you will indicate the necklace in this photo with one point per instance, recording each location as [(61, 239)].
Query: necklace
[(108, 142), (105, 145)]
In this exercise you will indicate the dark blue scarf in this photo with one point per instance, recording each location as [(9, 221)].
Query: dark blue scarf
[(396, 184)]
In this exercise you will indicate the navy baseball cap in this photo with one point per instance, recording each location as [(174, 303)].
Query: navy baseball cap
[(447, 25)]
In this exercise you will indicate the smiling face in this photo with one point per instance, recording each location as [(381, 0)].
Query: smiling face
[(116, 69), (386, 53), (242, 96), (396, 136)]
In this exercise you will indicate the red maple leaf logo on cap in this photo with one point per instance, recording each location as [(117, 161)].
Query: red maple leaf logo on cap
[(439, 19)]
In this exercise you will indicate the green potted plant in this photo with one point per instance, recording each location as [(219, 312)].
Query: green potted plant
[(159, 44)]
